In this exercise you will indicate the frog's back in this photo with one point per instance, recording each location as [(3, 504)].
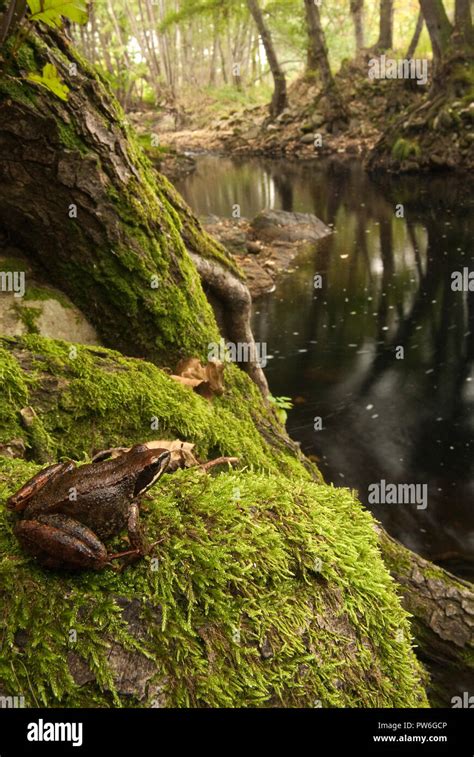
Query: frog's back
[(97, 495)]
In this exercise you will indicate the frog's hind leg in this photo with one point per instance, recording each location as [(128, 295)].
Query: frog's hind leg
[(20, 499), (59, 541)]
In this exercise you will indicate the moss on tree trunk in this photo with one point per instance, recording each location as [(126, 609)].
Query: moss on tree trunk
[(78, 196), (266, 588)]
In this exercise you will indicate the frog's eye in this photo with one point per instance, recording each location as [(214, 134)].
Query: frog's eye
[(152, 472)]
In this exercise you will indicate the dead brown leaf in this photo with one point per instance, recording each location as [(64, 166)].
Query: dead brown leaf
[(206, 380)]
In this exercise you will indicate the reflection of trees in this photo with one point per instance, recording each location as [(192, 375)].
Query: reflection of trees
[(444, 321), (284, 188), (434, 325)]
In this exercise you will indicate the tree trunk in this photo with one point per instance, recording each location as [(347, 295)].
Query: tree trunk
[(357, 12), (416, 36), (279, 100), (213, 61), (463, 20), (109, 230), (318, 60), (223, 65), (442, 609), (438, 24), (385, 41)]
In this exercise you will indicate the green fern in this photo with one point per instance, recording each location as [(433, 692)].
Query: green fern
[(282, 404)]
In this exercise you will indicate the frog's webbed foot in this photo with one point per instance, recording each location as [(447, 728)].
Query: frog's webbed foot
[(59, 541), (20, 499)]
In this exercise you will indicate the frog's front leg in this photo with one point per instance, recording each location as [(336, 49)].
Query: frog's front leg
[(59, 541), (135, 533), (20, 499), (140, 548)]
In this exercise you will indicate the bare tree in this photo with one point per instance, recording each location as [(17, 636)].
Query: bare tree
[(438, 24), (357, 13), (318, 59), (416, 36), (463, 19), (385, 41), (279, 99)]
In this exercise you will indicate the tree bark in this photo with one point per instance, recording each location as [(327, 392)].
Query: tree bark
[(318, 60), (416, 36), (438, 24), (318, 57), (279, 100), (463, 19), (357, 13), (442, 609), (385, 41), (108, 229)]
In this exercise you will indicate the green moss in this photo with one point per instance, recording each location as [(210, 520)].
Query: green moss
[(463, 74), (13, 264), (170, 200), (13, 88), (26, 59), (404, 149), (270, 589), (107, 400), (268, 592), (153, 152), (41, 293), (14, 393), (28, 317), (68, 137)]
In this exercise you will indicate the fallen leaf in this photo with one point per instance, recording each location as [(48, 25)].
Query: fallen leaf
[(206, 380)]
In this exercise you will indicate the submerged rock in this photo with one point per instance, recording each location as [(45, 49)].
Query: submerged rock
[(289, 227)]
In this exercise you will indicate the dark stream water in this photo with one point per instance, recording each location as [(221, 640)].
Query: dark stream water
[(386, 284)]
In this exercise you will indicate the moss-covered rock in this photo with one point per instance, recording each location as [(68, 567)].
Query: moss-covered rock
[(266, 587), (42, 309)]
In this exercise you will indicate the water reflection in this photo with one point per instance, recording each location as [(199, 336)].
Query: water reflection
[(383, 352)]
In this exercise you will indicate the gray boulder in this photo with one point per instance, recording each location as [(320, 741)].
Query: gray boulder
[(271, 225)]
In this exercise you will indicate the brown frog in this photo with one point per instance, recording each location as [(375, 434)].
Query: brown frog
[(68, 511)]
